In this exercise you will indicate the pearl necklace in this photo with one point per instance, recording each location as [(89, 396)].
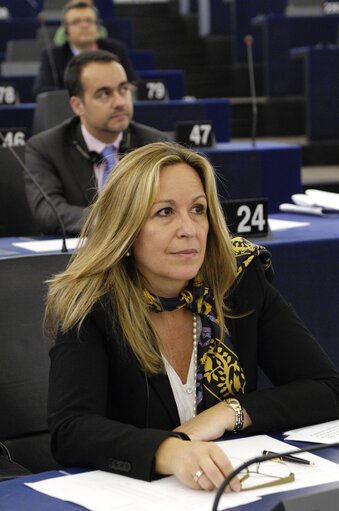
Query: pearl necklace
[(195, 359)]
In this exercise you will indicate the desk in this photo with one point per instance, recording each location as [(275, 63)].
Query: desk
[(17, 28), (161, 115), (306, 268), (242, 11), (142, 59), (305, 261), (279, 34), (267, 170), (321, 85), (174, 80), (14, 495), (23, 9)]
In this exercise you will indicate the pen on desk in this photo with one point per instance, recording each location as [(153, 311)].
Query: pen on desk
[(283, 457)]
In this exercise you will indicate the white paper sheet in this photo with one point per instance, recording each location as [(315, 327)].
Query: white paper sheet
[(313, 202), (279, 225), (102, 491), (47, 245), (322, 198), (325, 433), (309, 210), (323, 471)]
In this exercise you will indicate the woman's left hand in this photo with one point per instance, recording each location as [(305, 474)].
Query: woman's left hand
[(212, 423)]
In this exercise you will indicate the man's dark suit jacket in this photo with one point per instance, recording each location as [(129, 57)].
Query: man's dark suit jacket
[(105, 412), (45, 81), (59, 160)]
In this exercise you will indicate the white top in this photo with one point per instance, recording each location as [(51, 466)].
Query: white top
[(184, 393)]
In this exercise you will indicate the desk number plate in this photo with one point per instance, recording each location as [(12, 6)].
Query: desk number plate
[(195, 133), (246, 217), (8, 94), (152, 91), (13, 137)]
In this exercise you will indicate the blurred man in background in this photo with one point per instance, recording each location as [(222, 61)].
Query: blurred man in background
[(81, 25)]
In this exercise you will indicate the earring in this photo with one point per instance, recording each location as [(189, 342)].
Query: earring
[(128, 253)]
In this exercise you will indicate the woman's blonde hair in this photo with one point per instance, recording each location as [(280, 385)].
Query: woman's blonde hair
[(100, 269)]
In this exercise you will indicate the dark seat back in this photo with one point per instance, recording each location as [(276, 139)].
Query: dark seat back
[(23, 50), (24, 361), (51, 109), (15, 215)]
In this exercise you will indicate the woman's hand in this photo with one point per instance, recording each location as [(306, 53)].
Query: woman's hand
[(184, 459), (212, 423)]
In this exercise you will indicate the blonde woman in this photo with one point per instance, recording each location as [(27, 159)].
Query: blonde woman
[(160, 323)]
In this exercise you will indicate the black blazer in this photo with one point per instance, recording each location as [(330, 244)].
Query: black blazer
[(45, 81), (59, 160), (107, 413)]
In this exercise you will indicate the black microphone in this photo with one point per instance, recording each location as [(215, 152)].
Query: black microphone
[(95, 157), (248, 40), (41, 190), (48, 47), (259, 459)]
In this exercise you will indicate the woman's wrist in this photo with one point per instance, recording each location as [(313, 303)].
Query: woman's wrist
[(238, 414), (165, 454), (239, 417)]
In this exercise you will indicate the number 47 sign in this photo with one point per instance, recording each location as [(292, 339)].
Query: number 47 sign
[(195, 133)]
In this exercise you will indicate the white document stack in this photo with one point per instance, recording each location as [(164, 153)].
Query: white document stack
[(313, 202)]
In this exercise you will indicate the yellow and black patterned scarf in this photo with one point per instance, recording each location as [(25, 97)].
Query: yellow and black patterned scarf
[(219, 371)]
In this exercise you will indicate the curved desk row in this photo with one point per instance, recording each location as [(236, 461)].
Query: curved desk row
[(15, 495), (174, 80), (305, 260), (161, 115), (279, 34)]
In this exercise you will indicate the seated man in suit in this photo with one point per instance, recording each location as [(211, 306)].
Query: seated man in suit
[(80, 21), (68, 160), (60, 36)]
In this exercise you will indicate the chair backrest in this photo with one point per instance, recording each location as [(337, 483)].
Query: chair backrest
[(24, 361), (19, 68), (51, 109), (53, 15), (44, 32), (25, 50), (15, 215), (52, 5)]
